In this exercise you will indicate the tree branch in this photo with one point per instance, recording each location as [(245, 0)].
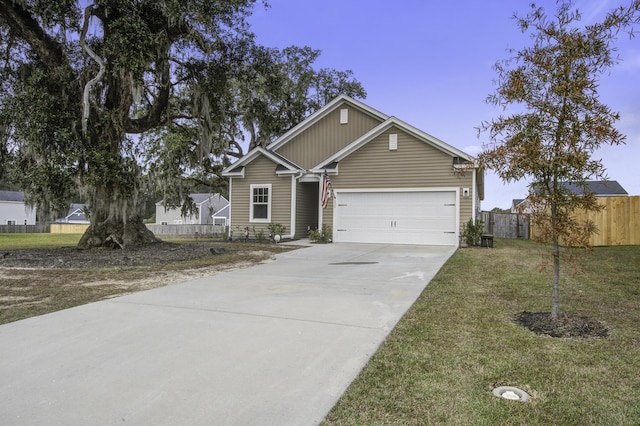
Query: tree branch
[(157, 113), (86, 106), (23, 23)]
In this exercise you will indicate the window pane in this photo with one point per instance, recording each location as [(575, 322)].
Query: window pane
[(260, 195), (260, 211)]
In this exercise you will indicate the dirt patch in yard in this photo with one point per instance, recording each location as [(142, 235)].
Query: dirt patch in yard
[(38, 281), (152, 255), (565, 325)]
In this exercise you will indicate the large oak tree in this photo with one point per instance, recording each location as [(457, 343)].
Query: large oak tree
[(105, 99), (558, 120)]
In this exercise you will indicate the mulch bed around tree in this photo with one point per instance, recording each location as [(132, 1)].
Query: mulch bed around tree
[(565, 325)]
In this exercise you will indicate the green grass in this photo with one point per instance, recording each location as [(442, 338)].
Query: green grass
[(459, 341), (31, 241)]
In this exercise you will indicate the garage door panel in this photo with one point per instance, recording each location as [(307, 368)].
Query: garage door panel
[(411, 217)]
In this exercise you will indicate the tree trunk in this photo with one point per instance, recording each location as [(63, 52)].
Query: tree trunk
[(555, 299), (555, 305), (116, 234)]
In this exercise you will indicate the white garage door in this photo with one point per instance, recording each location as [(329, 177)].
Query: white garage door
[(415, 217)]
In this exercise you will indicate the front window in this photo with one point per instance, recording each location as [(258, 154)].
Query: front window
[(260, 203)]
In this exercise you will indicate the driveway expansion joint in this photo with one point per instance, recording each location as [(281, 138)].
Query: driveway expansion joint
[(222, 311)]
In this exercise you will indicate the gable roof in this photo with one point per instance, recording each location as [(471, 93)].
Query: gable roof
[(284, 166), (76, 210), (321, 113), (223, 212), (597, 187), (383, 127), (201, 197), (16, 196)]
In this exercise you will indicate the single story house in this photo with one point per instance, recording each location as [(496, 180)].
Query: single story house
[(371, 177), (599, 189), (212, 209), (75, 214), (14, 211)]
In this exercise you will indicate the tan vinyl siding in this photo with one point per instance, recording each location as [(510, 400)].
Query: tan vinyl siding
[(415, 164), (327, 136), (260, 171)]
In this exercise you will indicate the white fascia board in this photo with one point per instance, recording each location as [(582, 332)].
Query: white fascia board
[(246, 159), (414, 189), (306, 178), (322, 112), (287, 172), (252, 156), (229, 173), (320, 168)]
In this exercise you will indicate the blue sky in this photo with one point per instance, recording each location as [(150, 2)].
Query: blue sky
[(429, 63)]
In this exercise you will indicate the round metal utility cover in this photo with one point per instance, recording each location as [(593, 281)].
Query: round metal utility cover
[(509, 392)]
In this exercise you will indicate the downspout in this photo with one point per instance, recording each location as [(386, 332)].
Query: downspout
[(474, 196), (229, 236)]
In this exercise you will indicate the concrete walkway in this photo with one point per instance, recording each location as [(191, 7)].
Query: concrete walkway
[(275, 344)]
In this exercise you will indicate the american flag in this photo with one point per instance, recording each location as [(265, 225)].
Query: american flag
[(326, 189)]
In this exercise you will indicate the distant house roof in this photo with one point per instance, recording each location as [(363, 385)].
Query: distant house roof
[(600, 188), (198, 198), (12, 196), (76, 212), (223, 212)]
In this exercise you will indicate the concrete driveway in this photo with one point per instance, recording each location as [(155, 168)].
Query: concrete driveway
[(275, 344)]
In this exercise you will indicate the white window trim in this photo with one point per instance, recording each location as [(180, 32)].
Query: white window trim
[(260, 220), (220, 218), (344, 116), (393, 142)]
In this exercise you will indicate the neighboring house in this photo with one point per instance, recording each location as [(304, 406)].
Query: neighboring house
[(599, 188), (14, 211), (520, 205), (390, 182), (75, 214), (212, 209)]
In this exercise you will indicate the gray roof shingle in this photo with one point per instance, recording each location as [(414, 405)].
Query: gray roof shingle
[(11, 196)]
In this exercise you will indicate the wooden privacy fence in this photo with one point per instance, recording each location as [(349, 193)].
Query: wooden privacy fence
[(618, 224), (506, 225), (38, 228), (68, 228)]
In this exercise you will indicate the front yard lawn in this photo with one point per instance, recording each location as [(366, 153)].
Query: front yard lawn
[(459, 341)]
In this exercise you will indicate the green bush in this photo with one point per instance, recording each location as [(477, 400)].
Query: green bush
[(472, 233), (276, 229), (323, 236), (258, 234)]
